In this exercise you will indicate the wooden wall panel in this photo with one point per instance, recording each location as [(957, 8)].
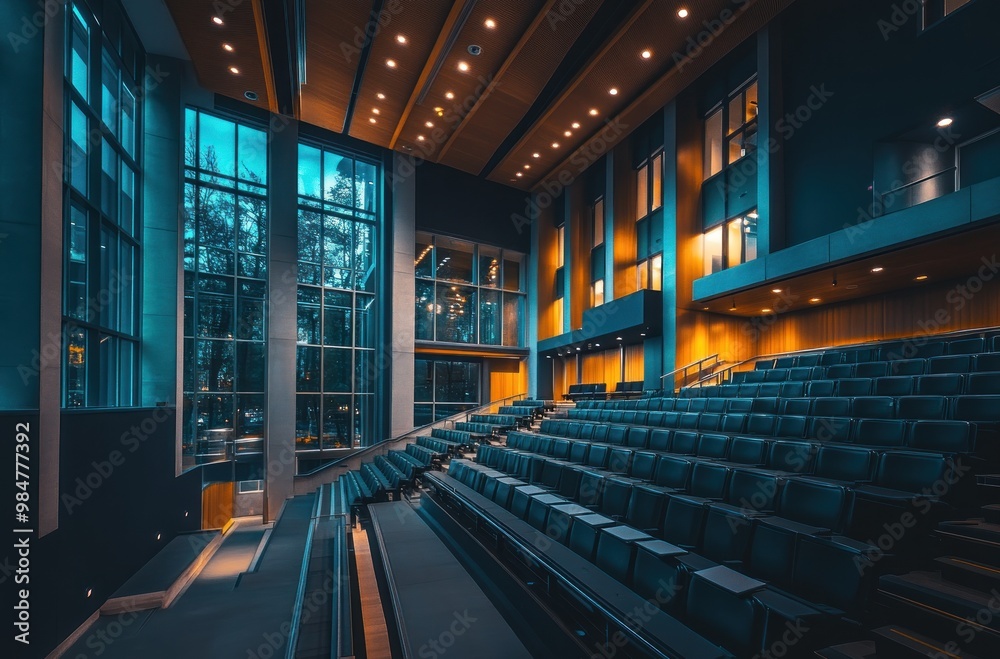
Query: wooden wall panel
[(216, 505), (546, 274), (580, 231), (634, 363), (507, 377), (624, 211)]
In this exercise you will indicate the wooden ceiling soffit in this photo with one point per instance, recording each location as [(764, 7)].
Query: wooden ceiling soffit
[(242, 28), (422, 24)]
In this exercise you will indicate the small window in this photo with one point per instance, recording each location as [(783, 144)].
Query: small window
[(731, 129), (731, 243), (936, 10), (598, 222), (597, 293), (560, 246), (657, 182), (642, 192), (649, 273)]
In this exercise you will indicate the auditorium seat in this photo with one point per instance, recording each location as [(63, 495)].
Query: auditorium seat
[(859, 386), (875, 407), (922, 407), (616, 550), (950, 364), (684, 442), (662, 572), (942, 436), (720, 605), (791, 456), (977, 408), (845, 464), (880, 432), (907, 367), (897, 385), (733, 423), (831, 358), (839, 371), (830, 429), (660, 439), (749, 451), (818, 388), (826, 571), (646, 508), (793, 427), (673, 472), (761, 424), (808, 360), (584, 533), (988, 362), (643, 465), (971, 346), (983, 383), (871, 370), (939, 385), (831, 407), (796, 406), (791, 389)]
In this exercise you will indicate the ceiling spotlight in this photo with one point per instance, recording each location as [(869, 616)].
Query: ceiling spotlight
[(420, 138), (642, 334), (613, 91), (814, 300), (920, 278), (578, 349), (555, 145), (536, 155), (490, 23), (765, 310), (234, 70), (704, 308), (776, 290), (372, 120), (575, 125), (90, 591), (400, 38), (527, 166), (618, 338), (250, 95), (462, 66), (568, 133), (682, 13), (429, 124), (449, 95), (945, 122), (597, 345), (226, 47), (217, 20), (593, 112), (380, 96), (519, 174), (646, 54), (733, 308), (375, 111), (439, 109), (391, 63), (877, 269)]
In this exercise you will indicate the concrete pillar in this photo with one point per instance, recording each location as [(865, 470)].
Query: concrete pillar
[(403, 227)]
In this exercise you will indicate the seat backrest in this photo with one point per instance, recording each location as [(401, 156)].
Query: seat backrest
[(897, 385), (910, 472), (764, 405), (807, 360), (709, 421), (950, 364), (753, 490), (875, 407), (940, 385), (709, 480), (971, 346), (598, 455), (838, 371), (791, 456), (659, 439), (830, 429), (761, 424), (684, 442), (749, 390), (818, 388), (942, 436), (617, 434), (643, 465), (880, 432), (711, 445), (797, 406), (791, 389), (854, 387), (812, 502), (907, 367), (748, 450), (988, 362), (830, 358), (826, 571), (845, 463), (793, 427), (922, 407), (776, 374), (672, 471), (771, 389), (871, 370), (977, 408), (739, 405), (983, 383), (697, 405), (784, 362), (831, 407), (733, 422), (800, 373)]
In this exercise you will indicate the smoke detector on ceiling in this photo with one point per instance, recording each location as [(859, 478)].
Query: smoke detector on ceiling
[(475, 50)]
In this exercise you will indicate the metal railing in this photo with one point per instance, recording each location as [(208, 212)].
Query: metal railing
[(683, 370), (907, 193), (328, 472)]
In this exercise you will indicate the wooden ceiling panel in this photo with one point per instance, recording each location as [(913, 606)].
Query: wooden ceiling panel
[(527, 69), (639, 97), (421, 24), (242, 29), (335, 37)]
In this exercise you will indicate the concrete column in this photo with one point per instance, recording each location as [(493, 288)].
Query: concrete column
[(403, 227), (609, 228), (537, 385), (279, 446), (668, 353)]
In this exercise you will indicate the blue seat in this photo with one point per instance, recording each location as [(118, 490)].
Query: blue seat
[(950, 364), (875, 407), (971, 346), (940, 385), (942, 436), (871, 370), (899, 385), (852, 387), (880, 432)]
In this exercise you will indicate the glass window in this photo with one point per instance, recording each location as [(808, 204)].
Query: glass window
[(598, 222), (444, 388), (338, 200), (642, 192), (426, 311), (560, 245), (512, 274), (456, 322), (513, 320), (597, 293), (713, 250), (713, 143), (642, 275), (423, 265), (656, 272), (79, 53), (490, 317), (454, 260), (735, 242), (76, 165), (657, 181), (489, 267)]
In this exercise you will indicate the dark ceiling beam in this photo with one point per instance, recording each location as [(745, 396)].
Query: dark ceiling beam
[(276, 29), (359, 76)]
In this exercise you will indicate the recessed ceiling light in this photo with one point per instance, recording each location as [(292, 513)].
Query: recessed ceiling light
[(527, 166), (519, 174), (380, 96), (462, 66), (593, 112), (945, 122), (490, 23), (250, 95), (439, 109), (776, 290), (391, 63), (227, 47), (400, 38), (646, 54), (578, 349), (597, 345), (568, 133), (765, 310), (217, 20), (613, 91), (575, 124), (642, 334), (234, 70), (814, 300), (877, 269), (920, 278), (536, 155), (90, 591), (375, 111), (683, 13), (704, 308), (449, 95), (618, 338), (372, 119), (420, 138), (429, 124), (555, 145)]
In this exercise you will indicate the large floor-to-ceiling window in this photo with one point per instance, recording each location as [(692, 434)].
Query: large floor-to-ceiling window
[(225, 286), (336, 361), (444, 387), (103, 235)]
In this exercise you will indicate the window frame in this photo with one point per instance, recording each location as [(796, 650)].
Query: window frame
[(726, 254), (747, 129)]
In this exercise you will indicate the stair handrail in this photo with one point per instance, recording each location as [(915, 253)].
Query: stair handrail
[(686, 368)]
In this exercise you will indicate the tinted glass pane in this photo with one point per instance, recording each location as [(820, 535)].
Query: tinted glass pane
[(252, 234), (489, 267), (424, 262), (366, 192), (364, 314), (76, 166), (215, 423), (512, 275), (338, 179), (126, 288), (423, 414), (250, 410), (307, 421), (310, 227), (423, 380), (338, 239), (513, 318), (456, 382), (426, 311), (128, 120), (713, 143), (216, 217), (127, 210), (364, 256), (76, 367), (80, 55), (336, 369), (310, 181), (252, 155), (337, 415), (456, 313), (250, 320), (109, 180), (217, 145), (337, 309), (366, 371), (76, 293), (454, 260), (109, 93), (489, 317), (307, 370), (308, 324), (215, 363), (250, 359)]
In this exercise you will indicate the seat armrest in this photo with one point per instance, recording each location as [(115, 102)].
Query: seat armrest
[(731, 580)]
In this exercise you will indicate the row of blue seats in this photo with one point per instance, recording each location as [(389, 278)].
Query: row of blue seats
[(787, 575), (964, 408), (941, 436), (947, 364), (916, 348)]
